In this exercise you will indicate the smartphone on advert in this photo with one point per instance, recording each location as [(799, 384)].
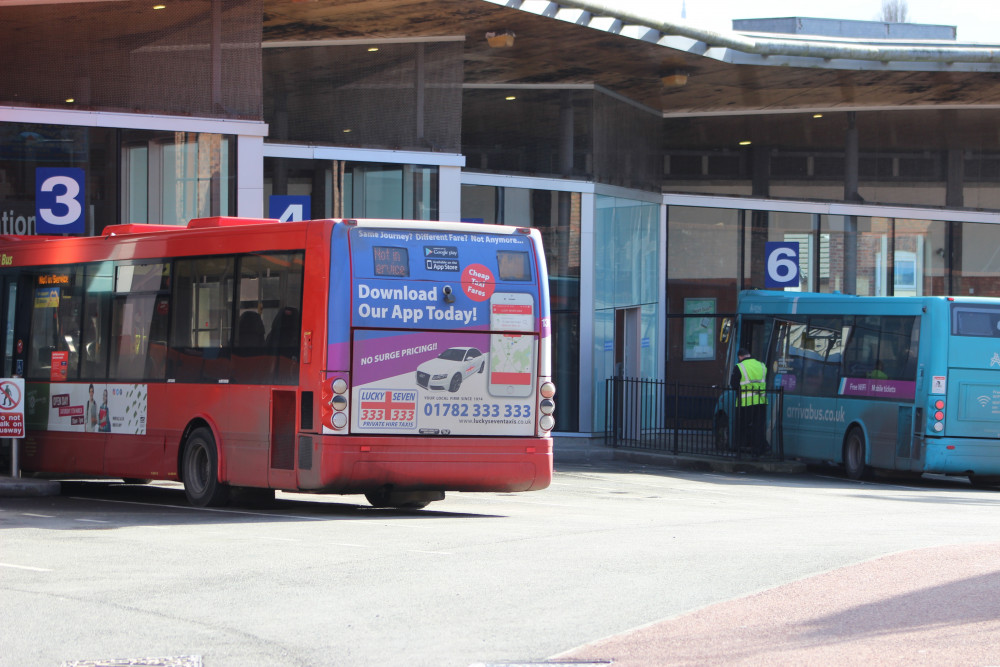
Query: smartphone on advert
[(512, 365), (512, 311)]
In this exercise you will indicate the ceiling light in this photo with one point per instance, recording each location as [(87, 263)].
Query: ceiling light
[(510, 98), (817, 115), (372, 49), (674, 79), (159, 6), (70, 100), (500, 39), (347, 130), (745, 142)]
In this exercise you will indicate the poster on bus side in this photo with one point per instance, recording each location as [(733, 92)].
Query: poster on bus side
[(87, 408)]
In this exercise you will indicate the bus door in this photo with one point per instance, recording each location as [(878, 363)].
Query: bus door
[(804, 360), (8, 308)]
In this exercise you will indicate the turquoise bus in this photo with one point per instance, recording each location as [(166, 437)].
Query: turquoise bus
[(905, 384)]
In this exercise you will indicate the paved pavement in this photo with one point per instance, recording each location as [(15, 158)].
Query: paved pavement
[(936, 606), (19, 487)]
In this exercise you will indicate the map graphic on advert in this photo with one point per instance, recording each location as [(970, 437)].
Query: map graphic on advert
[(512, 358)]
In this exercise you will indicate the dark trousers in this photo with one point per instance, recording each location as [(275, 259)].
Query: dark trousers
[(752, 427)]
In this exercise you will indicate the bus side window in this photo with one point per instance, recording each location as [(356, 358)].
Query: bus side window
[(95, 334), (55, 325), (201, 338), (138, 317), (266, 347)]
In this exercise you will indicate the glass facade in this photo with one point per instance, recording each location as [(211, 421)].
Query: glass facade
[(557, 216), (715, 252), (703, 277), (342, 189), (130, 176), (626, 294), (911, 157)]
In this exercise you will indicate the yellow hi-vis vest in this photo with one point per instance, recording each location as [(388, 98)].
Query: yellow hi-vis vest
[(752, 384)]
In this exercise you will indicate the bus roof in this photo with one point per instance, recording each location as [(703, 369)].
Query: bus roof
[(781, 302)]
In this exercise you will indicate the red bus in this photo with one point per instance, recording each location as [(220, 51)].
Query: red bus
[(394, 359)]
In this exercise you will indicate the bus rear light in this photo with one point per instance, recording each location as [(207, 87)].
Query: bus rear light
[(547, 422), (547, 390), (339, 420), (939, 415), (529, 450), (366, 448), (938, 426), (339, 403), (547, 406), (339, 386), (939, 404)]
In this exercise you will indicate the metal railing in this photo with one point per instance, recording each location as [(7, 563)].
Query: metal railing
[(690, 419)]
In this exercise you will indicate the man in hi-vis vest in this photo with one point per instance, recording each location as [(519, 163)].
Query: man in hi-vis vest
[(749, 379)]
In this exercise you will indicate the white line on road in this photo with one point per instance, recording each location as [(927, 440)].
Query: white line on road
[(276, 539), (39, 516), (92, 520), (25, 567), (203, 509)]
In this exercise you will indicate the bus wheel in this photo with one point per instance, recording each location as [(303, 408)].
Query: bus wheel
[(456, 382), (403, 500), (854, 454), (984, 481), (722, 432), (201, 471)]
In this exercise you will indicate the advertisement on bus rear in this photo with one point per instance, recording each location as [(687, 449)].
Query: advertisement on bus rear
[(445, 332), (444, 383)]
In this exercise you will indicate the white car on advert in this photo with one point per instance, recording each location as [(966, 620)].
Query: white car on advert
[(450, 368)]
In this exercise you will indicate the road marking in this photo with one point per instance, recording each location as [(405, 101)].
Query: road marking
[(92, 520), (437, 553), (202, 509), (25, 567), (276, 539), (39, 516)]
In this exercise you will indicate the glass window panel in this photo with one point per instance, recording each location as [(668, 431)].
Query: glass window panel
[(55, 324), (200, 341), (976, 257)]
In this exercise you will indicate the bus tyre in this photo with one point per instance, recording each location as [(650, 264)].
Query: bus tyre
[(201, 471), (456, 382), (403, 500), (984, 481), (854, 454)]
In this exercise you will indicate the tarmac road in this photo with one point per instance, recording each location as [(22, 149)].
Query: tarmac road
[(741, 568)]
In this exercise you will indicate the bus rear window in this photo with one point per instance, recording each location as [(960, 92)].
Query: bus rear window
[(975, 321), (513, 265)]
